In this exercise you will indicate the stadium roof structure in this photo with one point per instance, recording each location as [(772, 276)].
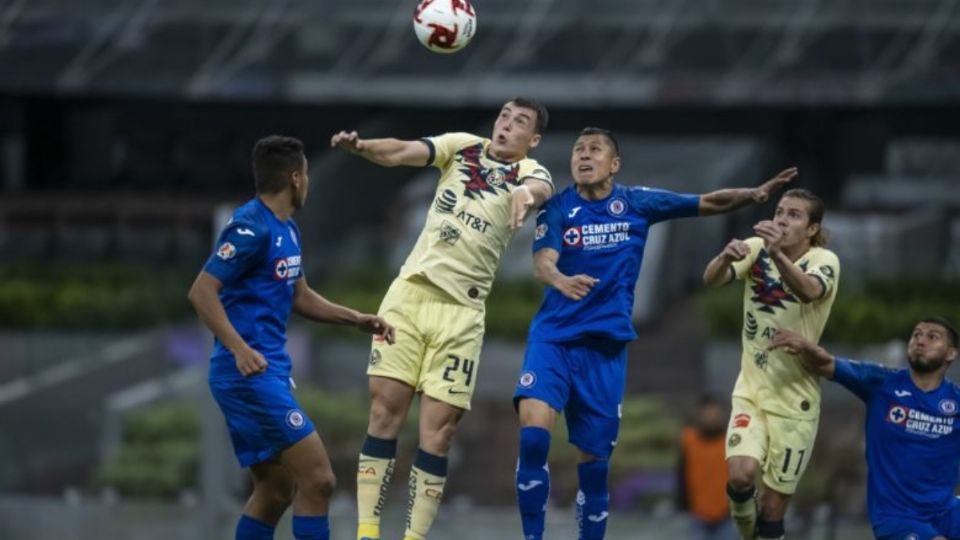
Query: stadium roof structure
[(589, 53)]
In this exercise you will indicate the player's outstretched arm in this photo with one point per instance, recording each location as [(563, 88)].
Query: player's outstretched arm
[(719, 270), (384, 152), (814, 358), (727, 200), (205, 296), (308, 303), (806, 287), (546, 272), (527, 196)]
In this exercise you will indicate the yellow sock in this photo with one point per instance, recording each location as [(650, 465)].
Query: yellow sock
[(744, 516), (373, 480), (426, 490)]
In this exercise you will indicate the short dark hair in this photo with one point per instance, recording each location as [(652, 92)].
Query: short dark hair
[(814, 212), (604, 132), (947, 325), (275, 158), (543, 117)]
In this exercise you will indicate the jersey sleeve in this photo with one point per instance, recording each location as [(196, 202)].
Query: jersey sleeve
[(548, 233), (240, 247), (741, 268), (660, 205), (444, 147), (826, 268), (861, 378), (530, 169)]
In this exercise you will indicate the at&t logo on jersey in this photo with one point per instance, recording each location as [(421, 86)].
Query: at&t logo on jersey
[(287, 268)]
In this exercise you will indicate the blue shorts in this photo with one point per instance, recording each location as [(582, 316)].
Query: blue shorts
[(585, 379), (946, 524), (262, 415)]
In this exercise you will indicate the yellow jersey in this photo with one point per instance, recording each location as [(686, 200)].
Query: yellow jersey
[(467, 226), (774, 380)]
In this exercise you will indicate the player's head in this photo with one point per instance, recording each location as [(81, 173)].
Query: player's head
[(800, 214), (595, 157), (518, 128), (279, 164), (711, 416), (933, 345)]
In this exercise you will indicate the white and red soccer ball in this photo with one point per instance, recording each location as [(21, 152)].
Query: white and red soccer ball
[(445, 26)]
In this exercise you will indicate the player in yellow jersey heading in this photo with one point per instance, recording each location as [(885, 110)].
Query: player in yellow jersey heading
[(791, 282), (486, 189)]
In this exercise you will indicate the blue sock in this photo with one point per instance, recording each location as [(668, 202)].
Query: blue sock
[(593, 500), (533, 480), (249, 528), (311, 528)]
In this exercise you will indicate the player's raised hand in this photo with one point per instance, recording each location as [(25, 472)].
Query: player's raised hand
[(762, 193), (772, 236), (521, 201), (576, 287), (373, 324), (349, 141), (250, 362), (736, 250)]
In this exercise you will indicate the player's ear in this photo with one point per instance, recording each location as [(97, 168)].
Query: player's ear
[(535, 140), (813, 230), (615, 165), (951, 354)]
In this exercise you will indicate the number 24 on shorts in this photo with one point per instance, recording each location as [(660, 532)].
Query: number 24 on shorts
[(459, 364)]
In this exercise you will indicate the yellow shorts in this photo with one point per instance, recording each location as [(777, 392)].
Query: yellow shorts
[(782, 445), (438, 342)]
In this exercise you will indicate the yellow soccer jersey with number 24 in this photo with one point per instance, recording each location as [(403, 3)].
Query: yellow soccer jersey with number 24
[(774, 380), (467, 226)]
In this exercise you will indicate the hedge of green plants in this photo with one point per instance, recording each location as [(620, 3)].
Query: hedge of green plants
[(99, 297), (873, 313), (110, 297)]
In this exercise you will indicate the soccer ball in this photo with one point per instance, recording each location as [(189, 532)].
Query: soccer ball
[(445, 26)]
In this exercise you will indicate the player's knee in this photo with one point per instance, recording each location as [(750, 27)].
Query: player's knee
[(438, 441), (741, 478), (385, 417), (319, 485), (279, 499)]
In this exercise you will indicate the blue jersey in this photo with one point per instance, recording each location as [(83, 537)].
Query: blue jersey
[(257, 259), (913, 448), (604, 239)]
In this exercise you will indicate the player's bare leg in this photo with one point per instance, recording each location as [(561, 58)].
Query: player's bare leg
[(533, 475), (438, 424), (741, 490), (309, 465), (273, 490), (390, 402), (772, 508), (593, 497)]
